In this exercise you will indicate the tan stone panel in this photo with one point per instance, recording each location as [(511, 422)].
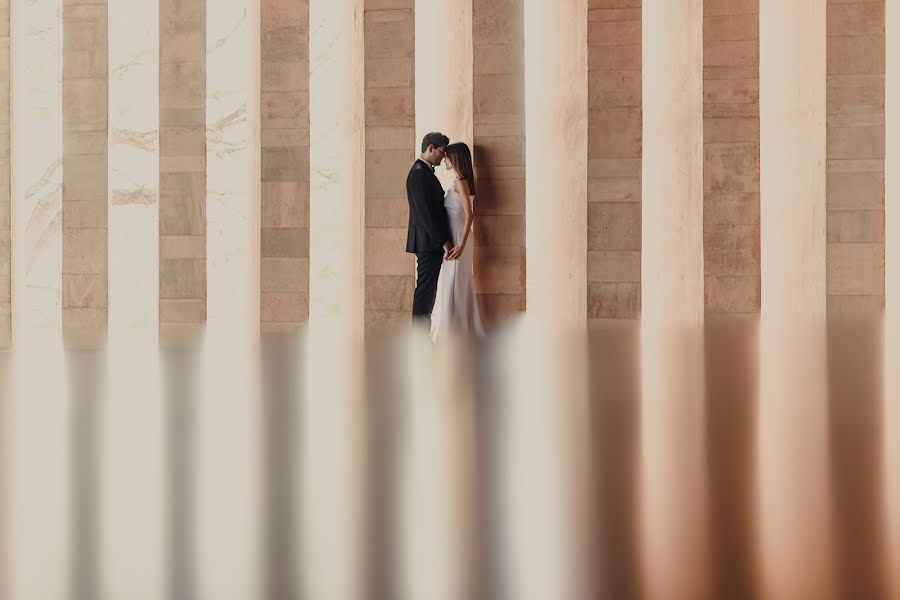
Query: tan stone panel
[(285, 164), (390, 107), (84, 290), (510, 126), (604, 33), (84, 105), (613, 4), (730, 28), (389, 293), (284, 243), (500, 151), (389, 72), (386, 172), (284, 275), (84, 251), (731, 168), (284, 76), (614, 89), (386, 252), (739, 130), (84, 179), (731, 54), (731, 209), (288, 110), (84, 28), (378, 321), (854, 305), (732, 250), (284, 44), (731, 91), (875, 165), (182, 246), (499, 94), (180, 14), (392, 138), (499, 230), (84, 327), (182, 85), (182, 204), (184, 45), (730, 110), (733, 72), (182, 310), (499, 269), (728, 294), (865, 18), (496, 308), (85, 64), (285, 204), (284, 12), (389, 4), (614, 58), (499, 197), (621, 189), (601, 168), (855, 93), (284, 138), (614, 225), (180, 141), (613, 266), (182, 278), (497, 59), (855, 227), (614, 133), (283, 307), (78, 143), (79, 215), (183, 117), (855, 191), (387, 212), (856, 55), (855, 269), (730, 7), (389, 34), (5, 213), (614, 300), (855, 120), (855, 142), (497, 21), (182, 164), (614, 14)]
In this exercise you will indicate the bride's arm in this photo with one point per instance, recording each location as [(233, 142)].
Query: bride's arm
[(462, 187)]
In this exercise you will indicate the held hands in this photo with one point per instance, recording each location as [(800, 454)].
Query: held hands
[(448, 249), (457, 251)]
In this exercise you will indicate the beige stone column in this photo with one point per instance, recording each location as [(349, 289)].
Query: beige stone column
[(792, 460), (284, 262), (332, 432), (182, 165), (85, 130), (673, 477), (5, 176)]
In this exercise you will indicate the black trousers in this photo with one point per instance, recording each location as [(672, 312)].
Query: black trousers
[(428, 267)]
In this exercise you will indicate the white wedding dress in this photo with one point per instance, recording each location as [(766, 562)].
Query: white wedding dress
[(457, 312)]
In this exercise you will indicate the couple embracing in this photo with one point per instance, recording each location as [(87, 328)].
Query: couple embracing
[(440, 226)]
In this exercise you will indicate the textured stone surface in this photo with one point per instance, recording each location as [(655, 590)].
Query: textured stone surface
[(5, 192)]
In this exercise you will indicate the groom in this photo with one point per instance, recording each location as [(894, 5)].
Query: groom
[(429, 232)]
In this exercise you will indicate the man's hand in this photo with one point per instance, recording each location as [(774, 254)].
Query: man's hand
[(448, 248)]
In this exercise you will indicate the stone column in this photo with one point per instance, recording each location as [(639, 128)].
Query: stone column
[(284, 263), (85, 130), (673, 418), (5, 175), (794, 514), (182, 166), (333, 504)]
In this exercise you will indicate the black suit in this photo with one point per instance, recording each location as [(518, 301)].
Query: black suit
[(427, 234)]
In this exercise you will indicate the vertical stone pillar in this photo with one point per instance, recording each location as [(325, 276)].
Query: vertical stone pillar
[(498, 93), (390, 120), (85, 132), (5, 176), (333, 452), (284, 263), (794, 513), (182, 165), (673, 420), (614, 160)]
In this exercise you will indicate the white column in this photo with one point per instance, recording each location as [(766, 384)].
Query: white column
[(673, 473), (794, 537), (333, 414), (133, 540), (229, 478)]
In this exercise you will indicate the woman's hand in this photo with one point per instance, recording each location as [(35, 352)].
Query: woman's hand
[(457, 251)]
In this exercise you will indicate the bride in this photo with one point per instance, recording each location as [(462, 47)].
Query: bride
[(459, 307)]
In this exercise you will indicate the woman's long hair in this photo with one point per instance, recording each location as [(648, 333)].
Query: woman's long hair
[(461, 157)]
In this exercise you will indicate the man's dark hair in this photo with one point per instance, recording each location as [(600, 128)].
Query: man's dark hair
[(435, 139)]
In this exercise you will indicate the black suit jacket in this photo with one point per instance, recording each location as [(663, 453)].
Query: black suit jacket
[(429, 229)]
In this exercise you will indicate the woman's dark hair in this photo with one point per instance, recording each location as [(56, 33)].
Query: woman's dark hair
[(461, 157), (436, 139)]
